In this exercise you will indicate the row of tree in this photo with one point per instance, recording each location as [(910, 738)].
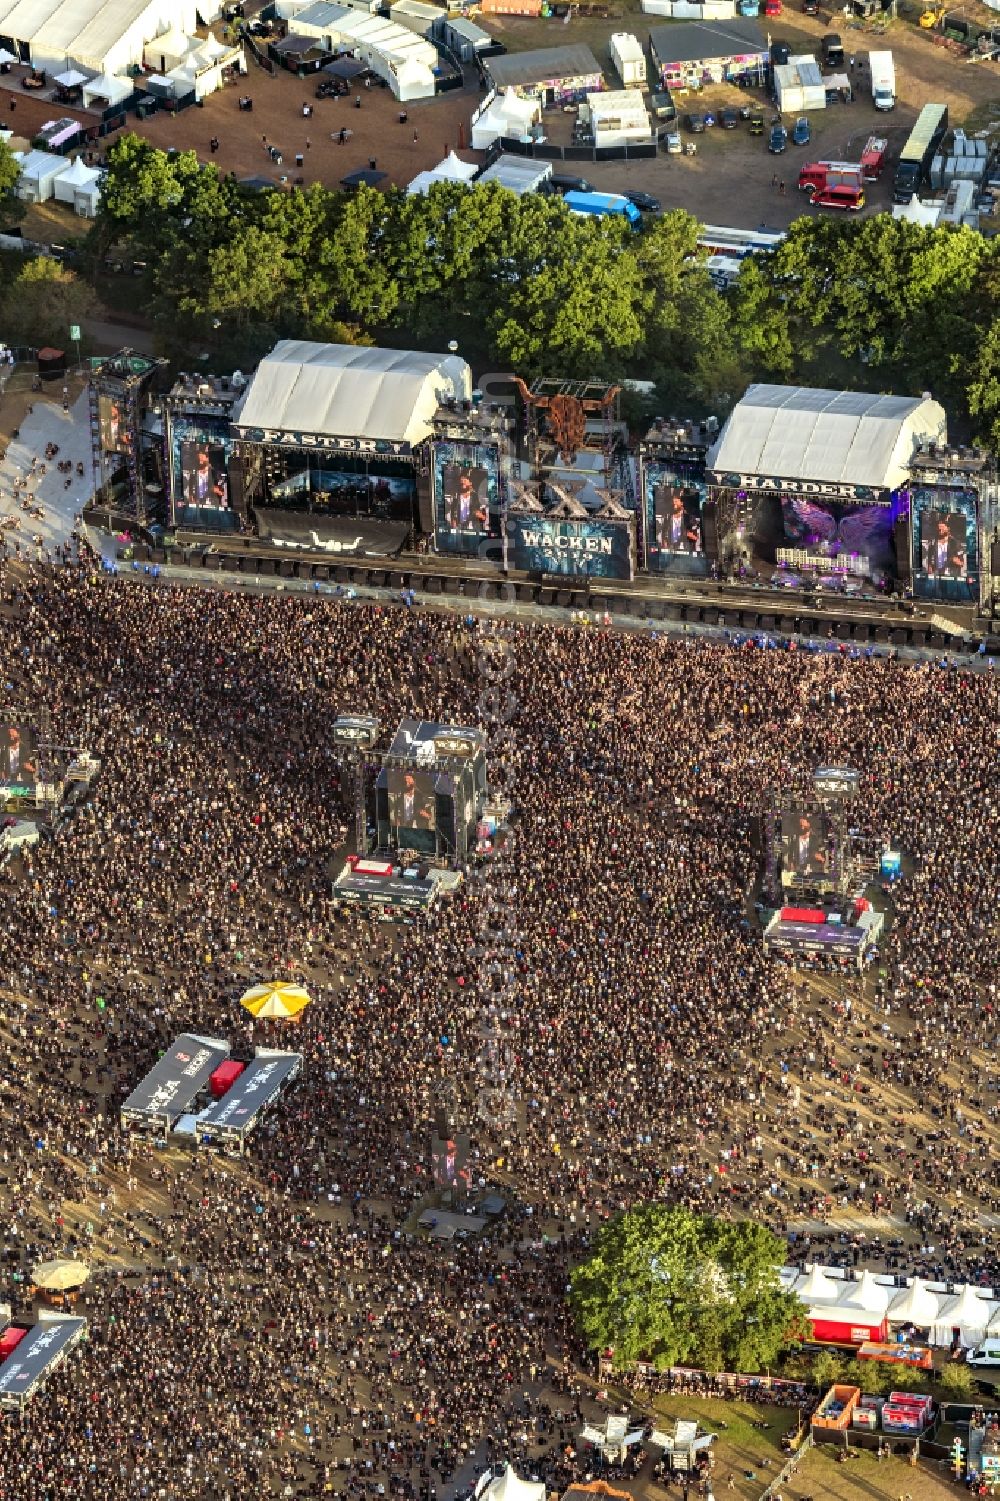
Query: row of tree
[(876, 303)]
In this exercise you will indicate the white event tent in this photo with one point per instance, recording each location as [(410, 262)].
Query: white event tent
[(452, 169), (341, 389), (100, 36), (508, 116), (79, 185)]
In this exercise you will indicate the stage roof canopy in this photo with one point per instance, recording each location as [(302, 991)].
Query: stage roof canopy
[(837, 437), (341, 390)]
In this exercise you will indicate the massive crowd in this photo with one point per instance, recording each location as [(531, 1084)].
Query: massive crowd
[(269, 1326)]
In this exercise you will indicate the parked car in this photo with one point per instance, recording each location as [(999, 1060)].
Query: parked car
[(565, 182), (672, 143), (839, 197), (756, 123), (644, 202), (729, 119), (778, 139), (801, 132), (695, 124), (779, 54), (772, 7), (810, 7), (833, 51)]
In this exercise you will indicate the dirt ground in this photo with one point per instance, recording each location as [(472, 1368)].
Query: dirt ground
[(729, 180), (433, 128)]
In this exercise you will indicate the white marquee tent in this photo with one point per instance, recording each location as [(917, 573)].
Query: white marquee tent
[(508, 1486), (967, 1312), (452, 169), (816, 1287), (507, 116), (617, 116), (39, 170), (102, 36), (79, 185), (342, 389), (406, 61), (973, 1311), (106, 90), (850, 437), (916, 1304)]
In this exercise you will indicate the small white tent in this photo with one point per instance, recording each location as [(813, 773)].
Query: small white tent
[(816, 1287), (868, 1296), (508, 1486), (107, 90), (967, 1312), (79, 185), (508, 116), (39, 171), (916, 1304)]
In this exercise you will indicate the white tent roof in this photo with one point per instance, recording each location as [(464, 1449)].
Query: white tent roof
[(42, 164), (344, 390), (510, 1487), (108, 87), (916, 1304), (816, 1287), (866, 1296), (87, 29), (967, 1309), (850, 437), (454, 169), (79, 175), (71, 79), (172, 45)]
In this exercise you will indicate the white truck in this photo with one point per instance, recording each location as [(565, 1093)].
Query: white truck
[(629, 59), (883, 80)]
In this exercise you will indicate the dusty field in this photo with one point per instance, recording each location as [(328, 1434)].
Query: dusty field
[(729, 180)]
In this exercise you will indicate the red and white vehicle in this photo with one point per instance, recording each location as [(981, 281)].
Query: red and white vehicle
[(873, 157), (814, 177), (839, 197)]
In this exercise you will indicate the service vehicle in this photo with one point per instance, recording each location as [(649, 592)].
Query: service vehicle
[(921, 147), (873, 157), (833, 51), (644, 202), (565, 182), (839, 196), (883, 74), (815, 177), (603, 205)]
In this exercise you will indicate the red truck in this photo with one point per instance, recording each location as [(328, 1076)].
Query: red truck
[(873, 157), (816, 177)]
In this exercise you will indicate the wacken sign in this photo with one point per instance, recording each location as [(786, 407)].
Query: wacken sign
[(573, 542), (831, 490), (283, 438)]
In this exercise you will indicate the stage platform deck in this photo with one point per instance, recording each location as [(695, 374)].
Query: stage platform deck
[(824, 934), (368, 887)]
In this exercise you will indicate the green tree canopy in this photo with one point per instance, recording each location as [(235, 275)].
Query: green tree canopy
[(41, 302), (666, 1285), (12, 207)]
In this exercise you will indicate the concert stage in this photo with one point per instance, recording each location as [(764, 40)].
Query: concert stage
[(849, 933), (383, 885)]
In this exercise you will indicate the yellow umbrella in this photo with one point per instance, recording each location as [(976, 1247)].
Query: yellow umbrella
[(275, 999), (60, 1276)]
